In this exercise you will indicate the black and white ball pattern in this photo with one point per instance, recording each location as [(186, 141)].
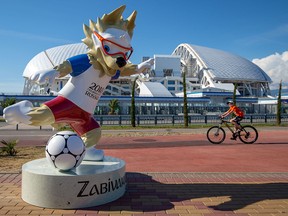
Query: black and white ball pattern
[(65, 150)]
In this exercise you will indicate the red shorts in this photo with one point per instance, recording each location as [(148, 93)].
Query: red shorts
[(65, 111)]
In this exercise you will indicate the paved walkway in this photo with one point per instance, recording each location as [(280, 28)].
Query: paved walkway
[(173, 194), (181, 174)]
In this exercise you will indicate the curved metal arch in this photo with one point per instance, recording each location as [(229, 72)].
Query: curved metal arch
[(191, 60), (196, 67)]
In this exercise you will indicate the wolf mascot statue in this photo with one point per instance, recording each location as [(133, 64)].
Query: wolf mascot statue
[(109, 49)]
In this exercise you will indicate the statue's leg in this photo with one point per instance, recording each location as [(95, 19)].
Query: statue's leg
[(91, 138), (90, 132), (82, 122)]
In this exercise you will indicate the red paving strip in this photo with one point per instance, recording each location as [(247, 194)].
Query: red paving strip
[(193, 153), (238, 158)]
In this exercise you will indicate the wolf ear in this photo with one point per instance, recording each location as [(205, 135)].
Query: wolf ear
[(131, 23), (92, 25), (99, 25), (88, 41), (113, 16), (87, 30)]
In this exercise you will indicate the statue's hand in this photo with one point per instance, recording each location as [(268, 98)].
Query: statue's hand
[(17, 113), (44, 77), (146, 65)]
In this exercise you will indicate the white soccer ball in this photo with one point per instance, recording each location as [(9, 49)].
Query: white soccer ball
[(65, 150)]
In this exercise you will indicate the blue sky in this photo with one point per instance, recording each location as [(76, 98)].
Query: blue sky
[(253, 29)]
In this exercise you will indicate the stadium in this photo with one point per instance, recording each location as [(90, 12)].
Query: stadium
[(204, 68), (210, 78)]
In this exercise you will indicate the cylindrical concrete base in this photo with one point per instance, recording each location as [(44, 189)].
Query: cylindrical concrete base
[(93, 183)]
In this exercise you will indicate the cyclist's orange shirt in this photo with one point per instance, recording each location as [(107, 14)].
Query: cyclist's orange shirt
[(236, 111)]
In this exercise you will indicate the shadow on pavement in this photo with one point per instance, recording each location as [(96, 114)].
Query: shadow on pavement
[(145, 194)]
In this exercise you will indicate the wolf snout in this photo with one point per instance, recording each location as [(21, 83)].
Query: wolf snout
[(121, 62)]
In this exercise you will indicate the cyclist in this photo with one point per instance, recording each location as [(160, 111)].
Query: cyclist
[(239, 115)]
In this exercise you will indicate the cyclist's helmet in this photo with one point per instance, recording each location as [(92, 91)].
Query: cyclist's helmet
[(230, 102)]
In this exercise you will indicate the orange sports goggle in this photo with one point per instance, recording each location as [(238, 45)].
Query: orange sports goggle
[(107, 46)]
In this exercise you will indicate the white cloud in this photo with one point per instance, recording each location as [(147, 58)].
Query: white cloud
[(276, 66)]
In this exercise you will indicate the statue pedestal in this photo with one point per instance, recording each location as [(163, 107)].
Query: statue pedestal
[(93, 183)]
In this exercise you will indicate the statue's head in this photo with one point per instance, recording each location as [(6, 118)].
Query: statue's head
[(109, 40)]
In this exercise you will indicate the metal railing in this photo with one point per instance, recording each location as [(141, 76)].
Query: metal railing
[(145, 120), (178, 119)]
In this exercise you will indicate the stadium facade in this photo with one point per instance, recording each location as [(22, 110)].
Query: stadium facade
[(204, 67), (210, 78)]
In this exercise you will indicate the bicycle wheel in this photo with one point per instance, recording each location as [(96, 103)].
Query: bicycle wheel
[(216, 135), (248, 134)]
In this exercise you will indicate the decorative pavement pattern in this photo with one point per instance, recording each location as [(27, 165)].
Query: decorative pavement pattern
[(173, 194), (192, 177)]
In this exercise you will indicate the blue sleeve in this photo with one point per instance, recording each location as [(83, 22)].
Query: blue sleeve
[(116, 76), (79, 64)]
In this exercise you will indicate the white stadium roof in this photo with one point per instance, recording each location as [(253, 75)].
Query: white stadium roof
[(224, 65), (51, 57)]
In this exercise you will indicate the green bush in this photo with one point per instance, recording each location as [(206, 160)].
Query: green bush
[(7, 102), (9, 147)]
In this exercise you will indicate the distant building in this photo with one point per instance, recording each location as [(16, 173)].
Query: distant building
[(210, 78), (205, 68), (219, 69)]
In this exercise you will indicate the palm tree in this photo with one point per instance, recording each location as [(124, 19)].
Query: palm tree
[(113, 105), (8, 102), (185, 105), (234, 93), (133, 108), (278, 115), (234, 97)]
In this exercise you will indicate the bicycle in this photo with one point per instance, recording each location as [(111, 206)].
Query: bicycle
[(247, 134)]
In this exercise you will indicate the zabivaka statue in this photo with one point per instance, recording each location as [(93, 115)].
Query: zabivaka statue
[(109, 49)]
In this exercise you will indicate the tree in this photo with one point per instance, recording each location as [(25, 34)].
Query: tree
[(113, 105), (185, 105), (7, 102), (234, 93), (133, 108), (278, 115), (234, 97)]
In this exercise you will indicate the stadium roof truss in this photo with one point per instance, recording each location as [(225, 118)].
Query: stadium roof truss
[(220, 69)]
